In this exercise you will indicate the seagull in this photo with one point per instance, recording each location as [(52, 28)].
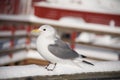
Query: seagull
[(55, 50)]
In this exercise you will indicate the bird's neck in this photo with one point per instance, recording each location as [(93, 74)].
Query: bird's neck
[(47, 38)]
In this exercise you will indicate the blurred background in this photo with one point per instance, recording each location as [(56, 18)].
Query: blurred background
[(92, 27)]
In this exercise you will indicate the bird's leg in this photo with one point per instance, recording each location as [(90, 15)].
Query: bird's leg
[(48, 67), (54, 66)]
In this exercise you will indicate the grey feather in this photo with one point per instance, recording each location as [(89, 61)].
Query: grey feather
[(62, 50)]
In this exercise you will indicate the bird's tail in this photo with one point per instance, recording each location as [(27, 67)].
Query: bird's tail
[(89, 63), (84, 61)]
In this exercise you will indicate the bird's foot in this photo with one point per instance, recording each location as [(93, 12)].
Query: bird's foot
[(50, 67)]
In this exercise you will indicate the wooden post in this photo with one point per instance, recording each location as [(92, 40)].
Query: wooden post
[(12, 40), (73, 36), (12, 43), (28, 29)]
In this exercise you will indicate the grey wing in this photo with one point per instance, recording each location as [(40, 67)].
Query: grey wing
[(62, 50)]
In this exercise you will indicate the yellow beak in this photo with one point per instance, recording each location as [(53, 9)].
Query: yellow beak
[(35, 30)]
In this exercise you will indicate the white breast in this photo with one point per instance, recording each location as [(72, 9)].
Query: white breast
[(42, 47)]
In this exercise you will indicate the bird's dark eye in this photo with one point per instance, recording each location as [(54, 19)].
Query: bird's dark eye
[(44, 29)]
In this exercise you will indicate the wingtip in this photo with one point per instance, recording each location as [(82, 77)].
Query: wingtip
[(83, 56), (88, 63)]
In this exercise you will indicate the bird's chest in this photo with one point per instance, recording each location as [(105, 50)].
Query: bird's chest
[(42, 47), (42, 44)]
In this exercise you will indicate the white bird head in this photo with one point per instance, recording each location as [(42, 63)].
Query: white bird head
[(45, 30)]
